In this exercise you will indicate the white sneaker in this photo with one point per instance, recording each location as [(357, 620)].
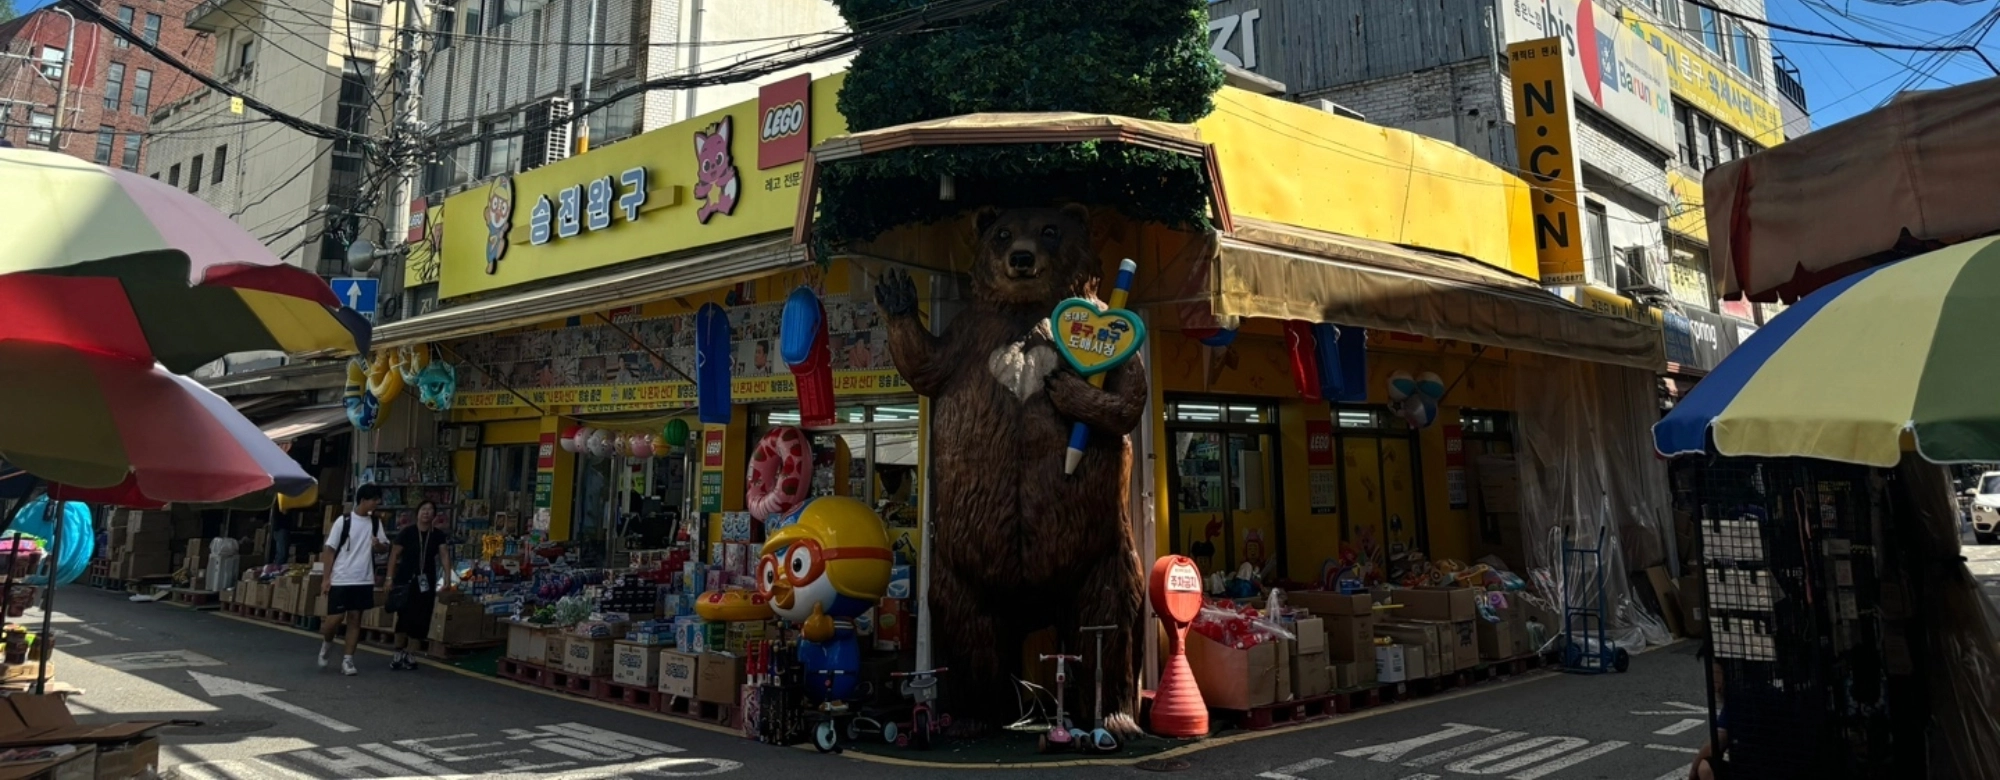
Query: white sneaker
[(347, 666), (323, 648)]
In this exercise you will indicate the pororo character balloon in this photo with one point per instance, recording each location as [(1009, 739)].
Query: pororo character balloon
[(829, 564)]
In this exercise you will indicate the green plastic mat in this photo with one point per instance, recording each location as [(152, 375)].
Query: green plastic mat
[(486, 662)]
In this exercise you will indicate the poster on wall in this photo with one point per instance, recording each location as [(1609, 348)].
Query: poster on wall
[(590, 362), (1325, 490), (1454, 466)]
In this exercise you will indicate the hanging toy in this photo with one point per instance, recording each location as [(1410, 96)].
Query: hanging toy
[(600, 443), (437, 385), (802, 342), (569, 441), (780, 473), (411, 360), (361, 406), (676, 433), (640, 445)]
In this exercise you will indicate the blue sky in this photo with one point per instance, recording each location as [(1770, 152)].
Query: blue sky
[(1842, 80)]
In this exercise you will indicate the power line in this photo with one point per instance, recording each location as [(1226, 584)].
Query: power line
[(1742, 17)]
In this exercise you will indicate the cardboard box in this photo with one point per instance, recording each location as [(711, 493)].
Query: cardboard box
[(1505, 639), (1423, 636), (148, 530), (1390, 664), (1311, 675), (1460, 645), (1326, 603), (634, 664), (459, 624), (148, 564), (719, 679), (319, 605), (285, 594), (1692, 600), (1351, 638), (132, 759), (1445, 605), (678, 672), (527, 643), (895, 625), (587, 657), (1417, 663), (1311, 633), (556, 649), (1234, 679), (1284, 670)]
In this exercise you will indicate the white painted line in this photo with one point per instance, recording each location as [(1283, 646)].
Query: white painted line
[(1676, 774), (1679, 708), (1287, 772), (1568, 761), (1423, 777), (1674, 749), (1394, 751), (1686, 725), (102, 632), (1491, 762), (1466, 749), (217, 687), (158, 659)]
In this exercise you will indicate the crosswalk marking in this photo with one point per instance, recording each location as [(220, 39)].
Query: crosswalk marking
[(1467, 749), (1288, 771), (1686, 725), (1568, 760)]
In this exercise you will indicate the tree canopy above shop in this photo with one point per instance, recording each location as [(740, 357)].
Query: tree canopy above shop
[(1147, 59)]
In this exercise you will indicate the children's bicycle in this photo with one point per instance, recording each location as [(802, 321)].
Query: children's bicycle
[(926, 723)]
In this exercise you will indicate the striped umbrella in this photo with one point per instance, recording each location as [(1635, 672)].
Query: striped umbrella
[(131, 433), (116, 263), (1907, 349)]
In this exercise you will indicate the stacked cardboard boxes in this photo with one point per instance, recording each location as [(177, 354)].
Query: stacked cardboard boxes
[(146, 551), (1350, 621)]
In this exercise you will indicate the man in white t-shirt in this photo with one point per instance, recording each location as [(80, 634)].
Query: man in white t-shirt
[(349, 565)]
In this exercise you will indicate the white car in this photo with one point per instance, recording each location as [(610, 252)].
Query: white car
[(1986, 508)]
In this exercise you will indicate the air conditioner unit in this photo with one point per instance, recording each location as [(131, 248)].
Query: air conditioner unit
[(1336, 109), (548, 137), (1640, 275)]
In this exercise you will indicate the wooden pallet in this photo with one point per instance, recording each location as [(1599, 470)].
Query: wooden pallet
[(567, 682), (524, 673), (708, 712), (1296, 711), (196, 599), (452, 652), (635, 696)]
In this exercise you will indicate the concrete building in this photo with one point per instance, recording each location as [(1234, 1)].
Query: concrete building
[(113, 86), (1662, 91)]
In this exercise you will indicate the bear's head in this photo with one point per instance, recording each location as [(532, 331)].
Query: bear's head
[(1034, 256)]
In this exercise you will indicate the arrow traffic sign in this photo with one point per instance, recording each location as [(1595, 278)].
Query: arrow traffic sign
[(355, 292), (217, 687)]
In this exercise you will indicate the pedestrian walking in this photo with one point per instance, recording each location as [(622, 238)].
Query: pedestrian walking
[(421, 556), (349, 563)]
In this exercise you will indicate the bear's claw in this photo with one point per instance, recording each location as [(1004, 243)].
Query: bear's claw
[(896, 293), (1123, 726)]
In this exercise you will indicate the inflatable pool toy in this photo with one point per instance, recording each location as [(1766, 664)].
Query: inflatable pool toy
[(733, 605), (780, 472)]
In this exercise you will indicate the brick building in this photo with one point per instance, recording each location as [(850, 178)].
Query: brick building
[(114, 87)]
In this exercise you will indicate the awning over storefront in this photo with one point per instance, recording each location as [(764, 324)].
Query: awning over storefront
[(304, 422), (647, 281), (1286, 273)]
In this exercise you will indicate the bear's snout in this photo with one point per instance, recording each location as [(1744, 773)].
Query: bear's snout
[(1020, 262)]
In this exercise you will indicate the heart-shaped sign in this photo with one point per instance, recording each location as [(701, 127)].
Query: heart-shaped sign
[(1094, 340)]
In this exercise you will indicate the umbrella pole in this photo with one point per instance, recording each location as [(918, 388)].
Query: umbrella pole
[(43, 642)]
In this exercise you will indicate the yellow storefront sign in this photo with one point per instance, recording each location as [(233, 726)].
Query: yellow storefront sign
[(1544, 117), (1712, 89), (683, 186), (657, 395), (1606, 302), (1685, 214)]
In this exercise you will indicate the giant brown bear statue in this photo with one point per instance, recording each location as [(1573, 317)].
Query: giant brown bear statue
[(1020, 546)]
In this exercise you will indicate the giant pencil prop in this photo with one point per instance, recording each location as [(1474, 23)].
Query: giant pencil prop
[(1095, 340)]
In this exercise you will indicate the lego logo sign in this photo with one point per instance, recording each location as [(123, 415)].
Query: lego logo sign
[(784, 112), (1319, 442)]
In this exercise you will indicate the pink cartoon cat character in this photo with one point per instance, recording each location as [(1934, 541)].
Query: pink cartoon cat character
[(718, 182)]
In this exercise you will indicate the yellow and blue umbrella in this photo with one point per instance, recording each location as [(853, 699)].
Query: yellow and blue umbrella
[(1905, 349)]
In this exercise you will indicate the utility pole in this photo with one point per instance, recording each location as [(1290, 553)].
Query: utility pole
[(408, 124), (589, 71), (62, 83)]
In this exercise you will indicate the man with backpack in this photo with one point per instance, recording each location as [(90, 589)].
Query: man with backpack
[(349, 565)]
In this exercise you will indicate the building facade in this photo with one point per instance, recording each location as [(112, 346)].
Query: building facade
[(113, 86)]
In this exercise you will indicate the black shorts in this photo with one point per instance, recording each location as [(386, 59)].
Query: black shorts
[(343, 599), (415, 619)]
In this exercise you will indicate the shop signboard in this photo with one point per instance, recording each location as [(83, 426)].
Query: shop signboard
[(1604, 301), (1611, 67), (711, 491), (1685, 213), (1545, 126), (784, 128), (420, 263), (1700, 339), (1710, 87), (1319, 443), (1689, 284), (687, 185)]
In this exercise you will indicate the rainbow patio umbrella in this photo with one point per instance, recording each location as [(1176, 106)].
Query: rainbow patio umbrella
[(111, 262), (1911, 348)]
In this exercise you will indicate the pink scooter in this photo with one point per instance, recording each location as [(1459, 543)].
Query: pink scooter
[(1064, 734)]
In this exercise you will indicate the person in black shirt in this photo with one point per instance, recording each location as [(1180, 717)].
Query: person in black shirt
[(422, 553)]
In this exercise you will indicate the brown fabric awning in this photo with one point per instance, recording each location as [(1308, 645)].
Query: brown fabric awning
[(1287, 273), (1789, 219)]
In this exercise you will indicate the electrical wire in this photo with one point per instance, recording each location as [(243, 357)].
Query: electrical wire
[(1743, 17)]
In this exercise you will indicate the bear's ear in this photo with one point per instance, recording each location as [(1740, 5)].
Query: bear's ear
[(984, 219), (1078, 212)]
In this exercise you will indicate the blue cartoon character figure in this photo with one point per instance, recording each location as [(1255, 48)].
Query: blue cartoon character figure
[(828, 565)]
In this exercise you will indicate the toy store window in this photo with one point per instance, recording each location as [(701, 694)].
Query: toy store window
[(874, 444)]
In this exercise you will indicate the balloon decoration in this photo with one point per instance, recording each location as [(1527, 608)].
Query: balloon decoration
[(411, 360), (1328, 362), (384, 381), (802, 342), (362, 407), (640, 445), (676, 433), (780, 472), (711, 364), (568, 439), (1415, 398), (600, 443), (437, 385), (660, 448), (1303, 347)]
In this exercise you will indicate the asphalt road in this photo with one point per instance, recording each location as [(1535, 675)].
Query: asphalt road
[(267, 711)]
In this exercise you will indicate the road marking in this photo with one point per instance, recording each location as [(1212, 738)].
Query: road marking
[(1467, 749), (102, 632), (217, 687), (1679, 708), (159, 659), (1287, 772), (1423, 777), (1674, 749), (1686, 725), (1485, 763), (1393, 751), (1568, 761)]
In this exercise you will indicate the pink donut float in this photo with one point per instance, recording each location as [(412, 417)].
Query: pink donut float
[(780, 473)]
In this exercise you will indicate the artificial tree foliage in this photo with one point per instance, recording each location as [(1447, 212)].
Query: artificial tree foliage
[(1147, 59)]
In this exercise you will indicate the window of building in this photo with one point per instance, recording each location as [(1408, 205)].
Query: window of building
[(41, 128), (142, 91), (1725, 145), (107, 139), (52, 62), (114, 86), (152, 31), (1597, 222), (473, 14), (1684, 132), (174, 175), (365, 23), (194, 174), (221, 161), (445, 25), (131, 161), (500, 12), (125, 17), (1705, 144), (499, 155), (1711, 30), (1746, 54), (246, 53)]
